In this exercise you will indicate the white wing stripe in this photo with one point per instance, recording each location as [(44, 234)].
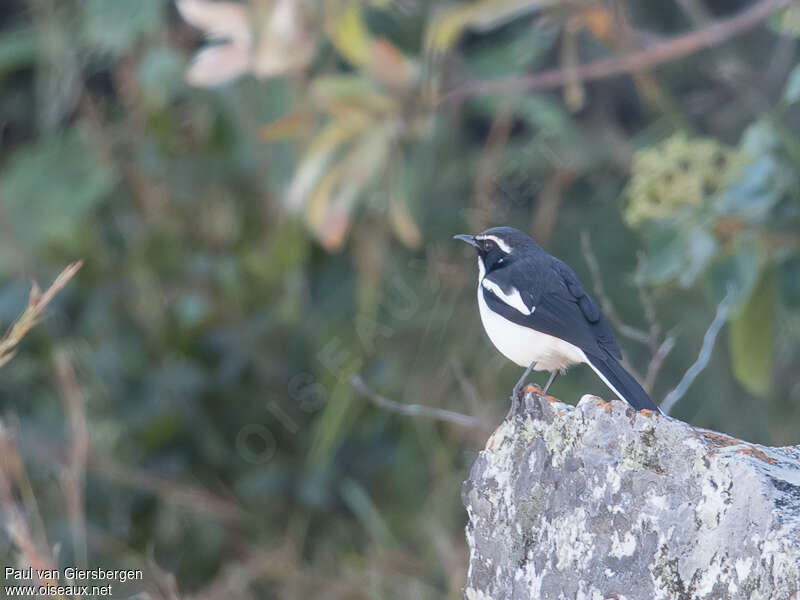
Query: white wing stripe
[(514, 300)]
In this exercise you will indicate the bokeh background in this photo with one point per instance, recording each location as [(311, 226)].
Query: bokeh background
[(264, 195)]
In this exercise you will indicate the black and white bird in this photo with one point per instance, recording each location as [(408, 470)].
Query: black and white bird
[(537, 314)]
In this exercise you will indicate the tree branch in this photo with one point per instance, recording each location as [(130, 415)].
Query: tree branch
[(704, 356), (657, 361), (650, 56), (628, 331), (416, 410)]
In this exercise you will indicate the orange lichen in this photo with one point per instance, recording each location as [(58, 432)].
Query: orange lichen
[(759, 454), (606, 405), (720, 440)]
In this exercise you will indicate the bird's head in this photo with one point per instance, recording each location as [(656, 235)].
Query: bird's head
[(498, 246)]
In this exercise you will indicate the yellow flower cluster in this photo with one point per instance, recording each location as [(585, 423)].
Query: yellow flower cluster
[(676, 173)]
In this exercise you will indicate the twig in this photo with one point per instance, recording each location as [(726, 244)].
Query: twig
[(705, 353), (416, 410), (37, 301), (650, 56), (657, 361), (187, 496), (726, 60), (14, 520), (235, 578), (647, 303), (659, 349), (628, 331), (467, 387), (74, 475)]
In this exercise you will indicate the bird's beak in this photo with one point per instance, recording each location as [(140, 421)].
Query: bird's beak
[(464, 237)]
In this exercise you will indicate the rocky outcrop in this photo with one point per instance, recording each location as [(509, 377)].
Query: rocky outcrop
[(597, 501)]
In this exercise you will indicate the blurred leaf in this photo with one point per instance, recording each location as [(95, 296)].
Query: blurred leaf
[(740, 267), (483, 15), (522, 50), (284, 44), (17, 49), (600, 21), (217, 20), (218, 64), (751, 337), (666, 252), (331, 206), (790, 282), (702, 248), (114, 25), (370, 517), (317, 158), (787, 21), (541, 113), (758, 139), (349, 96), (378, 56), (329, 209), (332, 425), (351, 37), (759, 188), (287, 248), (288, 126), (160, 76), (791, 93), (48, 187), (389, 65), (545, 114), (403, 224)]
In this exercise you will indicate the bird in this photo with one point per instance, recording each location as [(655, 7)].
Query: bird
[(537, 314)]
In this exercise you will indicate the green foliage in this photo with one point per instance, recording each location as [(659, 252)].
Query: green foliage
[(752, 335), (265, 213), (113, 26), (50, 186), (17, 48), (719, 211)]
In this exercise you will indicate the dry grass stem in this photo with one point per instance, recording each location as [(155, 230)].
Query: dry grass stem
[(37, 302)]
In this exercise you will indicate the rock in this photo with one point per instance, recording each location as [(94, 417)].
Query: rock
[(597, 501)]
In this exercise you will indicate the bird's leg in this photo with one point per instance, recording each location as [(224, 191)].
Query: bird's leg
[(553, 375), (515, 399)]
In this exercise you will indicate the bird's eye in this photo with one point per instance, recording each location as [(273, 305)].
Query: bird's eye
[(489, 245)]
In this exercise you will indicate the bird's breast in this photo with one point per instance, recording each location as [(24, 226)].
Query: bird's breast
[(524, 345)]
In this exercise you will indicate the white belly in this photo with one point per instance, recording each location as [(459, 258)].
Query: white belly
[(524, 346)]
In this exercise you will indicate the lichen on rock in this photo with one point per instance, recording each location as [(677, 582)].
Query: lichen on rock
[(598, 501)]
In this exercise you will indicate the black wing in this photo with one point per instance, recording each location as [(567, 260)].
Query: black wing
[(563, 309)]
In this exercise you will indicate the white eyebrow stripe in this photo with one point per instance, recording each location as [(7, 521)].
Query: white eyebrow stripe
[(514, 300), (500, 243)]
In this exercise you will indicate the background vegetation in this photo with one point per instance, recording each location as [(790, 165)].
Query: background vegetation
[(266, 214)]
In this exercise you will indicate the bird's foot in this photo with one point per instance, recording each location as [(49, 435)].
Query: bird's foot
[(519, 391), (516, 402), (518, 398)]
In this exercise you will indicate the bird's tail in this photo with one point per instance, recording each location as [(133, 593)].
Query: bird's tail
[(621, 382)]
